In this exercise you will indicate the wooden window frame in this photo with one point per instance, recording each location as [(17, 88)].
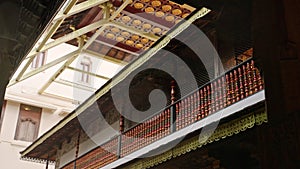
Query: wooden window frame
[(39, 60), (32, 116), (86, 65)]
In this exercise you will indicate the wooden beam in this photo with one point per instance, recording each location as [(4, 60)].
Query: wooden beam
[(43, 68), (89, 73), (80, 7), (71, 36), (48, 35)]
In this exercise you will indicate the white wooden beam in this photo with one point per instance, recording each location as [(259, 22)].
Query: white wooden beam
[(70, 36), (89, 73), (74, 34), (43, 68), (53, 28), (72, 84), (80, 7)]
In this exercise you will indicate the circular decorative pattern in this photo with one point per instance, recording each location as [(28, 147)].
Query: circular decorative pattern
[(119, 39), (145, 1), (144, 40), (110, 36), (159, 14), (166, 8), (129, 42), (170, 18), (136, 22), (135, 37), (156, 30), (149, 9), (138, 5), (126, 19), (155, 3), (115, 30), (176, 12), (139, 46), (146, 26), (125, 34)]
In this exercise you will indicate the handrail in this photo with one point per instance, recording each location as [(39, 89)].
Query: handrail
[(189, 94), (230, 87)]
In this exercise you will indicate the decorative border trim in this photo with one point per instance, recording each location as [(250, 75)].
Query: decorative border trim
[(36, 160), (225, 130)]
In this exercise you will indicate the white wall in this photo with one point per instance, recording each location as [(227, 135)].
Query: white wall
[(10, 148)]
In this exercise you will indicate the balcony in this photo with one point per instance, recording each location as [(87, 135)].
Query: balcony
[(238, 88)]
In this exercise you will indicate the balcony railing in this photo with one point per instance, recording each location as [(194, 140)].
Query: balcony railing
[(229, 88)]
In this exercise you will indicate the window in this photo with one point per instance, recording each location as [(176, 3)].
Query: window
[(39, 60), (86, 65), (2, 113), (28, 123)]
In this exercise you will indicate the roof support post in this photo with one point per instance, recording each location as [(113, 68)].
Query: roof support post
[(47, 162), (173, 109)]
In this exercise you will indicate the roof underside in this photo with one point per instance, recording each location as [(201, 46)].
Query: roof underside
[(115, 32), (18, 19), (126, 38)]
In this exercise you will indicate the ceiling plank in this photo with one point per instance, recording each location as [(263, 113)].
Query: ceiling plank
[(134, 30)]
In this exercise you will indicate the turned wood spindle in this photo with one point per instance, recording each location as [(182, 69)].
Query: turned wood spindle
[(228, 90), (241, 85), (236, 86), (202, 103), (220, 88), (233, 97), (224, 91), (255, 82), (249, 77), (246, 84), (209, 99), (216, 95)]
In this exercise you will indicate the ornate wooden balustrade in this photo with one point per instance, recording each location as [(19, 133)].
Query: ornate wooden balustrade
[(229, 88)]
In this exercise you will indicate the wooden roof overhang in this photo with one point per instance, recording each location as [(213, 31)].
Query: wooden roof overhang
[(45, 147)]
